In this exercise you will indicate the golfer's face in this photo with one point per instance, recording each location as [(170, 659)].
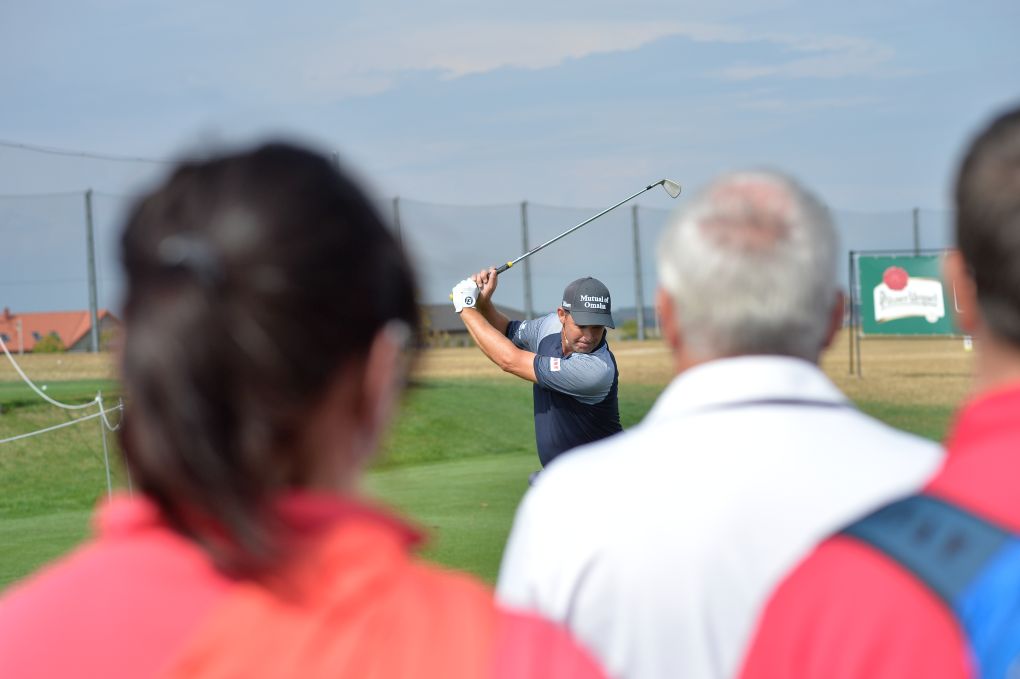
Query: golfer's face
[(581, 339)]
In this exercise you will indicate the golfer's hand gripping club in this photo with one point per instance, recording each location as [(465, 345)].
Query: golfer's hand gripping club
[(464, 295)]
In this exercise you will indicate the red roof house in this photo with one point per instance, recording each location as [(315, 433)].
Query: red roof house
[(20, 332)]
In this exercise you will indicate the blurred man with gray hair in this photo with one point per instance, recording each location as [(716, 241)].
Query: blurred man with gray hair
[(659, 546)]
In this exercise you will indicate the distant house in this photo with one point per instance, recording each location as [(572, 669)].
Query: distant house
[(443, 327), (21, 332)]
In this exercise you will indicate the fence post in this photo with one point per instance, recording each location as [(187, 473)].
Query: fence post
[(852, 309), (859, 323), (529, 307), (90, 245), (917, 231), (106, 448), (639, 293)]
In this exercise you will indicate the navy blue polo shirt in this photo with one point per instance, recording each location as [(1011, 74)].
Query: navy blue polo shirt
[(575, 396)]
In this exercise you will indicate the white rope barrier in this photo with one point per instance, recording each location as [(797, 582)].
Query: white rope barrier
[(70, 423), (103, 411), (37, 390), (97, 401), (104, 421)]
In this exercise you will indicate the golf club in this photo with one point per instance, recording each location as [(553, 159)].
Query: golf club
[(671, 187)]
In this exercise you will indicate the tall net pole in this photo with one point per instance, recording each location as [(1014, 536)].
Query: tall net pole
[(529, 307), (639, 293), (396, 220), (917, 231), (90, 244)]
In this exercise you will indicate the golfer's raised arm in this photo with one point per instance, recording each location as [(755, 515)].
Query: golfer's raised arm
[(491, 340), (487, 280)]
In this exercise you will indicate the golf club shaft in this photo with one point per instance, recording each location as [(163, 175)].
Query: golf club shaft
[(503, 267)]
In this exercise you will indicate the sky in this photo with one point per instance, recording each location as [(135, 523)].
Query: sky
[(475, 103)]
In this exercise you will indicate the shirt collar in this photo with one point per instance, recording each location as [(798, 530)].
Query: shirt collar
[(306, 512), (745, 379)]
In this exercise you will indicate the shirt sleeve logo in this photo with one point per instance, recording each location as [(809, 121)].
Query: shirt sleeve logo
[(554, 365)]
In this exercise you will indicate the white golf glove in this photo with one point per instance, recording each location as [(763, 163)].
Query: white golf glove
[(464, 295)]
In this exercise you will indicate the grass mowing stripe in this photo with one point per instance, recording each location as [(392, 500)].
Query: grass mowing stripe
[(58, 471), (466, 507), (458, 418), (27, 543), (929, 421), (17, 394)]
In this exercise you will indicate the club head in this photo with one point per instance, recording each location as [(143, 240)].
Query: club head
[(672, 188)]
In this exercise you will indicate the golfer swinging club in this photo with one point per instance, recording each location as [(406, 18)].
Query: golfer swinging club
[(564, 353)]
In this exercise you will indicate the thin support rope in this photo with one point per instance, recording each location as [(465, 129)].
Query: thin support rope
[(37, 390), (97, 401), (103, 411), (104, 422), (106, 457), (84, 418)]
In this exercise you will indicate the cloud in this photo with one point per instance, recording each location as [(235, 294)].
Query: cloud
[(477, 47), (470, 48), (779, 104), (341, 54), (821, 57), (480, 48)]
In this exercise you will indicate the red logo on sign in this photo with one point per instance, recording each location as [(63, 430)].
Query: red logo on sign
[(895, 277)]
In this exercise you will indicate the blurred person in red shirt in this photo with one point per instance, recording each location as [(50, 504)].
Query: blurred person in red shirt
[(929, 586)]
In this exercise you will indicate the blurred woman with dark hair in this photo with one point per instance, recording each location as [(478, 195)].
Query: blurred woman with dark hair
[(267, 324)]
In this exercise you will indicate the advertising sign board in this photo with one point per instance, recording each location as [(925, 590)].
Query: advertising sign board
[(904, 295)]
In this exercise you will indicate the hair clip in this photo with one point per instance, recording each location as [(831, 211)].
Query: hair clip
[(191, 254)]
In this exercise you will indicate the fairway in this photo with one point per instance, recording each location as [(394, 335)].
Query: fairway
[(456, 461), (464, 506), (26, 542)]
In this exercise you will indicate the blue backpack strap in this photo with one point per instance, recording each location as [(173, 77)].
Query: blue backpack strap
[(942, 545), (971, 564)]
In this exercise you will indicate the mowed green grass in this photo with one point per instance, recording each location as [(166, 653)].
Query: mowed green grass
[(929, 421), (456, 463), (453, 418), (58, 471), (16, 394)]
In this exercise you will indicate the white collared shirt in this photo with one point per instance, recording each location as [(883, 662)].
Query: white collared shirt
[(657, 547)]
